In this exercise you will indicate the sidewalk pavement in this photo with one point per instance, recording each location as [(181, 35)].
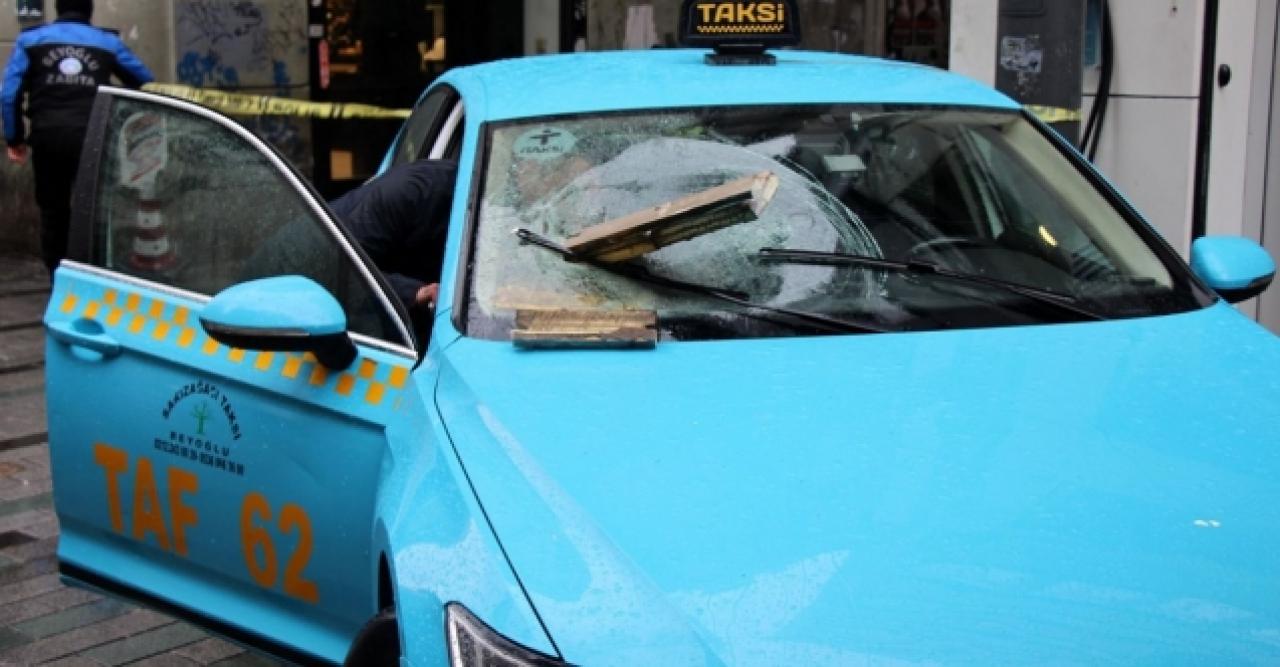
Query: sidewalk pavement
[(41, 620)]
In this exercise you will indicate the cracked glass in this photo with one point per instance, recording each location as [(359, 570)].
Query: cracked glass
[(974, 192)]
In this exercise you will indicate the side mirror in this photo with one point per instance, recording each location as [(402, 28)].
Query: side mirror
[(281, 314), (1235, 267)]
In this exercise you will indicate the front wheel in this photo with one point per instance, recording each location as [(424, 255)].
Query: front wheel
[(378, 642)]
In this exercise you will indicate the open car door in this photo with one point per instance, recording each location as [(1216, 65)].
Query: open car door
[(233, 487)]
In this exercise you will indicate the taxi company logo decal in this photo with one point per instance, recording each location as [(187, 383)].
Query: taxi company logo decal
[(545, 143), (191, 436), (740, 17)]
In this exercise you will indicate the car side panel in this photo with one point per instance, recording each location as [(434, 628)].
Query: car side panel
[(237, 485), (439, 545)]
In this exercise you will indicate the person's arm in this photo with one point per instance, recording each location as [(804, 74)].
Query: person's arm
[(11, 102), (364, 212), (413, 293), (398, 219), (131, 71)]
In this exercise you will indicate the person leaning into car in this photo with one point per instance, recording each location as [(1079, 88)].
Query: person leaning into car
[(58, 67), (400, 219)]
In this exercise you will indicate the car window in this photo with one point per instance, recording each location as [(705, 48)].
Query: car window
[(423, 124), (451, 134), (979, 193), (186, 202)]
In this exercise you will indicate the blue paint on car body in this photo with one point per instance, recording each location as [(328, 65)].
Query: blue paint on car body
[(1090, 490), (684, 502), (1230, 262)]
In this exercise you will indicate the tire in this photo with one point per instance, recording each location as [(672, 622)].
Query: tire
[(378, 642)]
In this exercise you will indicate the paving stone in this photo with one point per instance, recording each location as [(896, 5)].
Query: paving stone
[(79, 639), (29, 588), (146, 644), (19, 463), (67, 619), (26, 454), (24, 488), (15, 538), (22, 404), (16, 268), (20, 382), (39, 501), (209, 650), (38, 465), (24, 476), (47, 526), (43, 605), (11, 571), (10, 638), (23, 520), (17, 309), (21, 349), (248, 659), (165, 660), (32, 550), (72, 661)]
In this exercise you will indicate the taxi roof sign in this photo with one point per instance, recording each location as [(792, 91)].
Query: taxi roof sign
[(739, 30)]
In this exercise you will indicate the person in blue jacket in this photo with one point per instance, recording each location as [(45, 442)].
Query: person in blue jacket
[(58, 68)]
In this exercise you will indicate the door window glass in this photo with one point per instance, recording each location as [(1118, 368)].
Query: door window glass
[(420, 130), (184, 201)]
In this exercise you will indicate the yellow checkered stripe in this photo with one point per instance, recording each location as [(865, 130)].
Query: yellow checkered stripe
[(161, 322), (775, 27)]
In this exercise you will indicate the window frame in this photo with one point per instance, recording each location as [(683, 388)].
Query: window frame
[(1184, 279), (435, 124), (449, 139), (84, 234)]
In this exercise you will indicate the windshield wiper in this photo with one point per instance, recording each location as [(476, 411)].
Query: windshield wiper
[(1040, 296), (641, 274)]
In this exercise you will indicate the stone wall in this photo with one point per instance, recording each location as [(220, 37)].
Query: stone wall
[(251, 46)]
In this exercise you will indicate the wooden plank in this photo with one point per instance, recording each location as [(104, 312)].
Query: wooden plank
[(635, 234), (558, 328)]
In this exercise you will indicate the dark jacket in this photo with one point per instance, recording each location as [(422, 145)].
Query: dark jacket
[(401, 219), (60, 66)]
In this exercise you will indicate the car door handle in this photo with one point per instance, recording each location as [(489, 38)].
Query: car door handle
[(85, 333)]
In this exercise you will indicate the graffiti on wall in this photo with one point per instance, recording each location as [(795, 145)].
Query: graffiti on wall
[(253, 46), (245, 43)]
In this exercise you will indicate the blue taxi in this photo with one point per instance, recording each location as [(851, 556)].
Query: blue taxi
[(741, 357)]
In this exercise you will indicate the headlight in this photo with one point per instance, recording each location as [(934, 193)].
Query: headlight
[(474, 644)]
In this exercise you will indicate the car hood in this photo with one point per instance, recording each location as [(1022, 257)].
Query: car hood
[(1072, 493)]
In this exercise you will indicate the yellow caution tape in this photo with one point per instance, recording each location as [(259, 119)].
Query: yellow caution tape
[(239, 104), (1054, 114)]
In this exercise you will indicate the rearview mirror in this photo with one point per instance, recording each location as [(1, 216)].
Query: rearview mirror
[(281, 314), (1235, 267)]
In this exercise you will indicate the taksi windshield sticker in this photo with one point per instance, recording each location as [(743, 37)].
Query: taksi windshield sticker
[(544, 143)]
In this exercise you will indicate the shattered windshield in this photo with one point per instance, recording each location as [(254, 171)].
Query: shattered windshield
[(718, 197)]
